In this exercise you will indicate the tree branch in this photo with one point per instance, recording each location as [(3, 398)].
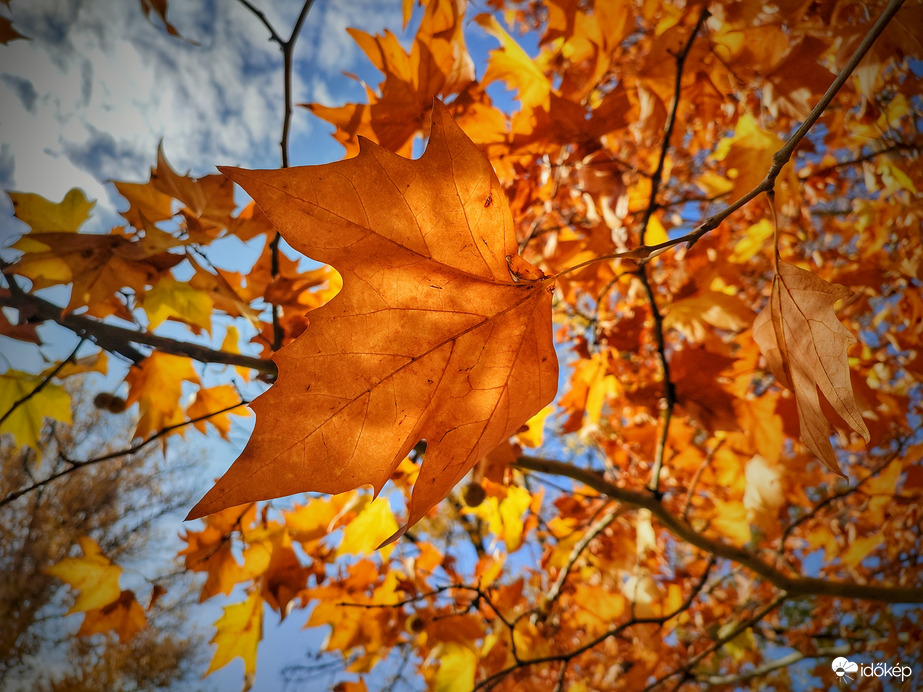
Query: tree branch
[(794, 586), (784, 662), (596, 641), (598, 526), (288, 48), (669, 388), (121, 340)]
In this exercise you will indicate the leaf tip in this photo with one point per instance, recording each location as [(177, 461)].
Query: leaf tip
[(393, 537)]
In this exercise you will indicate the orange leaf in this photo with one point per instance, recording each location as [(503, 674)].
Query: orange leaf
[(7, 32), (125, 617), (157, 385), (210, 550), (441, 332), (209, 400), (159, 9), (805, 346)]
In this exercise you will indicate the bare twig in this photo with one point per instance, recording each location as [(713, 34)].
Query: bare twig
[(783, 662), (592, 532), (596, 641), (669, 388), (741, 627), (288, 49), (698, 475), (74, 465), (41, 385)]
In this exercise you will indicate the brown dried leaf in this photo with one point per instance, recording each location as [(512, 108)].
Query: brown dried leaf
[(805, 346)]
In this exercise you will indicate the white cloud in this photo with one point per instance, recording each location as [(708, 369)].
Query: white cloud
[(90, 97)]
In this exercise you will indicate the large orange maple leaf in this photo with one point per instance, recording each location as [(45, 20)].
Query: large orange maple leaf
[(441, 331)]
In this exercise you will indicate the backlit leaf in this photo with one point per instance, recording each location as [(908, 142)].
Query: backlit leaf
[(805, 346), (238, 634), (441, 332), (93, 576)]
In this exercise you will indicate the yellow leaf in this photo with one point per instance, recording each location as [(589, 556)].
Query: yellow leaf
[(535, 427), (504, 515), (512, 507), (369, 529), (457, 665), (94, 578), (597, 605), (689, 316), (25, 422), (882, 487), (231, 344), (747, 154), (655, 233), (645, 537), (753, 240), (860, 549), (43, 215), (313, 521), (178, 300), (514, 67), (238, 634), (730, 519), (96, 362), (764, 493), (739, 645)]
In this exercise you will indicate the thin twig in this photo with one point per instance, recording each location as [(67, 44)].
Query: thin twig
[(783, 662), (669, 387), (592, 532), (741, 627), (596, 641), (41, 385), (74, 465), (698, 475), (288, 49)]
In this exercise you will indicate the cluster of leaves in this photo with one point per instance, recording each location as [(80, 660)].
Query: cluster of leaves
[(658, 192)]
